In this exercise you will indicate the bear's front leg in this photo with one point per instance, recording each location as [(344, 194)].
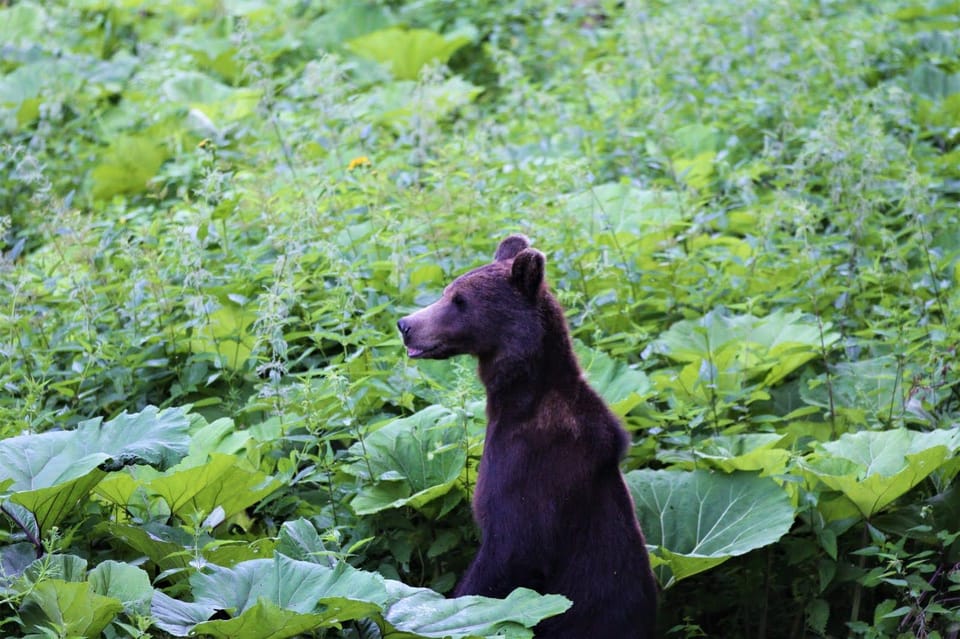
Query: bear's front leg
[(493, 574)]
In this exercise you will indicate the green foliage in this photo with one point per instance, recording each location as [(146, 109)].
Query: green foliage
[(214, 213), (699, 520)]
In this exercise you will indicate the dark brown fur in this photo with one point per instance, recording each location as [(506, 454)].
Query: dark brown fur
[(550, 500)]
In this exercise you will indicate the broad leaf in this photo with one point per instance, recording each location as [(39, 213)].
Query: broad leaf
[(220, 103), (163, 545), (128, 584), (697, 520), (406, 51), (59, 566), (873, 468), (224, 481), (72, 607), (226, 335), (21, 23), (752, 451), (864, 391), (622, 387), (305, 594), (289, 583), (425, 613), (723, 352), (176, 617), (300, 540), (14, 559), (397, 103), (345, 21), (628, 221), (167, 546), (127, 166), (413, 461), (52, 472), (266, 620)]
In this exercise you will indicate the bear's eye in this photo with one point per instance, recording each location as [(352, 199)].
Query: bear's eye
[(459, 301)]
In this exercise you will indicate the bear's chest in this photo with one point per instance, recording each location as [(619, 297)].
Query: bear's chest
[(524, 481)]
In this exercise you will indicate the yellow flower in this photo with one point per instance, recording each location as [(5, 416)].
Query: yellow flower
[(358, 161)]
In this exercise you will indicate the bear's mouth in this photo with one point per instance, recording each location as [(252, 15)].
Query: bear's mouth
[(426, 352)]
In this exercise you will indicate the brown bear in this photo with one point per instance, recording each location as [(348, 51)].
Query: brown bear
[(553, 510)]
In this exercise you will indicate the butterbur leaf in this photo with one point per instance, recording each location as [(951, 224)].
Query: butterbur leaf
[(266, 620), (217, 101), (178, 617), (860, 390), (227, 336), (23, 517), (621, 387), (722, 351), (425, 613), (52, 472), (414, 460), (300, 540), (627, 210), (127, 166), (751, 451), (14, 559), (128, 584), (163, 545), (71, 607), (224, 482), (406, 51), (397, 102), (697, 520), (64, 567), (305, 595), (873, 468), (289, 583), (21, 23)]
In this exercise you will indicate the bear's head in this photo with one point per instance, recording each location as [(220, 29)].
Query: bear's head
[(492, 312)]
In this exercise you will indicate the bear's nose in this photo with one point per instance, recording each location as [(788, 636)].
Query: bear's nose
[(404, 326)]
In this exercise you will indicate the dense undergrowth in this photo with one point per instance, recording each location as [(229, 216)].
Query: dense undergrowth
[(212, 214)]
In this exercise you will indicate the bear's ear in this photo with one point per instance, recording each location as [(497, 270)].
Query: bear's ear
[(527, 272), (509, 248)]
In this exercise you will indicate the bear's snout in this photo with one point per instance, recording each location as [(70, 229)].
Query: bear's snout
[(405, 325)]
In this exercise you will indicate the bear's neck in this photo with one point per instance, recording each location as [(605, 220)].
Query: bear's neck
[(517, 384)]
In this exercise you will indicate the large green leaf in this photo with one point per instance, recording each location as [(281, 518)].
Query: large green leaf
[(224, 481), (722, 351), (697, 520), (72, 607), (267, 620), (226, 335), (299, 540), (750, 451), (420, 612), (218, 102), (397, 103), (625, 210), (873, 468), (622, 387), (406, 51), (52, 472), (21, 23), (865, 391), (409, 462), (126, 583), (306, 595), (127, 166), (345, 21)]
